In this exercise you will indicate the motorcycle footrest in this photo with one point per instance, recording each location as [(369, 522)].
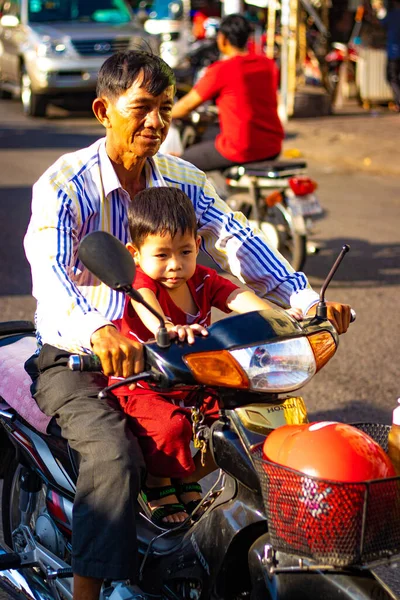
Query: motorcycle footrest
[(16, 560), (10, 560), (60, 573)]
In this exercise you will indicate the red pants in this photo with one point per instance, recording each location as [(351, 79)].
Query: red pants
[(164, 429)]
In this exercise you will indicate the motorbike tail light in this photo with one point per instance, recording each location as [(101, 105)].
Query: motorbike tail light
[(301, 186), (217, 368), (324, 347), (273, 198)]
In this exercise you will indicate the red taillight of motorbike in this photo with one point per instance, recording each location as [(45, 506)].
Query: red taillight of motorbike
[(273, 198), (301, 186)]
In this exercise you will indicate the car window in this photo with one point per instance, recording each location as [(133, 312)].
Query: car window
[(12, 7), (101, 11)]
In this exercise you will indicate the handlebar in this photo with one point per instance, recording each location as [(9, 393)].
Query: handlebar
[(91, 362), (84, 362)]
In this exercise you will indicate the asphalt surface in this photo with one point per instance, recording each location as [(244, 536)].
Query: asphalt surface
[(361, 382)]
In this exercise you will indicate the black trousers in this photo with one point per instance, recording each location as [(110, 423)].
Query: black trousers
[(393, 77), (206, 157), (111, 466)]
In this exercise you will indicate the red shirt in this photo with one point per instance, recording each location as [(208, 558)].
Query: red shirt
[(245, 90), (207, 288)]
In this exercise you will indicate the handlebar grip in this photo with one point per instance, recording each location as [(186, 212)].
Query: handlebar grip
[(84, 362), (353, 315)]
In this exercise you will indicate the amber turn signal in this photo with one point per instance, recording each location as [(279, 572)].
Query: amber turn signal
[(324, 347), (217, 369)]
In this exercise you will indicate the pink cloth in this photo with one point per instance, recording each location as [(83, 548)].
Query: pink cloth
[(15, 382)]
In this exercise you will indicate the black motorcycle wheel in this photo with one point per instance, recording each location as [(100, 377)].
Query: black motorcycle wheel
[(275, 223), (11, 514)]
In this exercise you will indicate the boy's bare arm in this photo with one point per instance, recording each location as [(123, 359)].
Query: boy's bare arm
[(243, 301), (149, 320)]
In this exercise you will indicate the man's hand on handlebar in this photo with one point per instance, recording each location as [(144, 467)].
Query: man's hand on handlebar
[(119, 356), (338, 314)]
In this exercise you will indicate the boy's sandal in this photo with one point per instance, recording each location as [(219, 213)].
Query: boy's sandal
[(158, 513), (185, 488)]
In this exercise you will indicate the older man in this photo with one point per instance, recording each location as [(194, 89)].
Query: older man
[(90, 190)]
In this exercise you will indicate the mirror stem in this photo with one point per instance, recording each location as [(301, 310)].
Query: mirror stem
[(321, 311)]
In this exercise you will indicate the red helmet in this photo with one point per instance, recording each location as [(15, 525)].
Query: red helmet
[(334, 451), (321, 516)]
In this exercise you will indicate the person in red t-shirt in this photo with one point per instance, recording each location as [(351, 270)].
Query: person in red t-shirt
[(165, 244), (244, 86)]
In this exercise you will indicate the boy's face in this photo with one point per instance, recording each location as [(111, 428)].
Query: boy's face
[(169, 260)]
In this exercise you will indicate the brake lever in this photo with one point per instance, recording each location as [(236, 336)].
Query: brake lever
[(146, 375)]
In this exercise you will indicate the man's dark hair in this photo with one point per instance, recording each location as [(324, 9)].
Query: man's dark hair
[(236, 29), (119, 72), (159, 211)]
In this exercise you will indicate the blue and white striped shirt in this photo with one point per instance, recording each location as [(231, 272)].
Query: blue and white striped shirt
[(81, 193)]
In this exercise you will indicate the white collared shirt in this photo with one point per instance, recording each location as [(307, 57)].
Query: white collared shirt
[(81, 193)]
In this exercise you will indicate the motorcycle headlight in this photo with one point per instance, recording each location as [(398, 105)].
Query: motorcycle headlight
[(48, 47), (274, 367), (277, 367)]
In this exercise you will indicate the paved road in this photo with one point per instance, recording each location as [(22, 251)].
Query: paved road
[(361, 382)]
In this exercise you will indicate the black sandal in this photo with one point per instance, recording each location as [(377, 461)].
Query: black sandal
[(184, 488), (164, 510)]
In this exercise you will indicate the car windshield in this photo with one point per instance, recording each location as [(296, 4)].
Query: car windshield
[(99, 11)]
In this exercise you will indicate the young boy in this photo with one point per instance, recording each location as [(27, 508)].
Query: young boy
[(165, 246)]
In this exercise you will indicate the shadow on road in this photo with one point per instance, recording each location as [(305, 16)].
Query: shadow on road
[(15, 208), (46, 137), (366, 265)]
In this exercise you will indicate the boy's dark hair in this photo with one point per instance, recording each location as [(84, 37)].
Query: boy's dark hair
[(236, 29), (121, 70), (158, 211)]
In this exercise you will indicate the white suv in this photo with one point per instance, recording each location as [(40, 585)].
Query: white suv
[(51, 50)]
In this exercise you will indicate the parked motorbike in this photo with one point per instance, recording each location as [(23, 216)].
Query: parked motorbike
[(276, 196), (339, 55), (255, 362)]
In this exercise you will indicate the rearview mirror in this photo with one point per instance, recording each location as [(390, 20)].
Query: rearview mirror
[(108, 259)]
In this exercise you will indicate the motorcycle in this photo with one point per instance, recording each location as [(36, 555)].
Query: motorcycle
[(255, 362), (339, 55), (276, 196)]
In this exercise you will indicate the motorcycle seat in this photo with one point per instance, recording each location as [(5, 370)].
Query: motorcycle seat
[(17, 344), (267, 168)]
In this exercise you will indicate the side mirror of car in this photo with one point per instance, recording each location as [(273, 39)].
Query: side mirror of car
[(9, 21)]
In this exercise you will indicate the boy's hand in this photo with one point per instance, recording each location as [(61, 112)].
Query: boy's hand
[(296, 313), (185, 332)]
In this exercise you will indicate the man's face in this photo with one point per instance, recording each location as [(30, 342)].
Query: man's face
[(138, 121)]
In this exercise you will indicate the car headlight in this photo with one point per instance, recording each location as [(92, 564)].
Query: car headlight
[(277, 367), (47, 47)]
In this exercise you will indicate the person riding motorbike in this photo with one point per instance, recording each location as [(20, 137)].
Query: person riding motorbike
[(165, 245), (90, 190), (244, 86)]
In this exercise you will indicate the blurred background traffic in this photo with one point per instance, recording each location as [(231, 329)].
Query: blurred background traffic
[(327, 51)]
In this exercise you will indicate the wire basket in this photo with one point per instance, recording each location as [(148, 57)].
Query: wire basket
[(334, 523)]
